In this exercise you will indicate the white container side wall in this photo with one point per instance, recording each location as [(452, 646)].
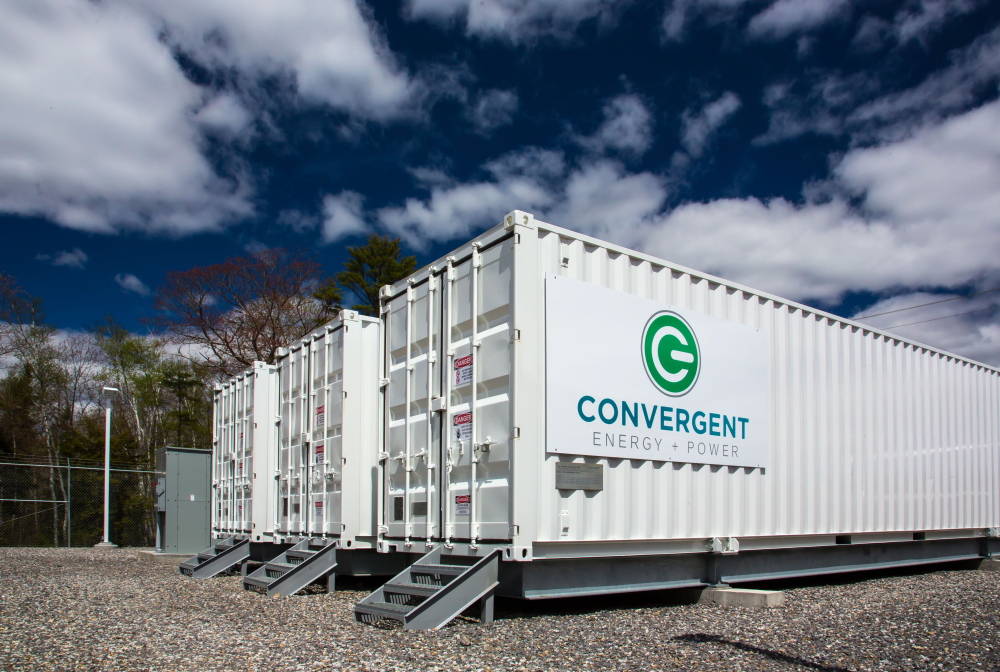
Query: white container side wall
[(245, 410), (869, 433), (328, 433)]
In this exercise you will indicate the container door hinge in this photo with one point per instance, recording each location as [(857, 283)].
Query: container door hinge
[(516, 433), (515, 530), (515, 336), (383, 382), (383, 456), (383, 529)]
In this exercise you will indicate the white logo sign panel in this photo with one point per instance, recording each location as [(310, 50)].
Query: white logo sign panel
[(633, 378)]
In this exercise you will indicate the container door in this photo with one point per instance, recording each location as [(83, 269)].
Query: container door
[(476, 446), (413, 427), (448, 402), (243, 454), (293, 449), (325, 452)]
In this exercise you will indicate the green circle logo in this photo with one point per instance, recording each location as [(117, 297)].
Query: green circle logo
[(670, 353)]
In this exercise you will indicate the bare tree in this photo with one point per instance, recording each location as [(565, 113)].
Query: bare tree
[(232, 314)]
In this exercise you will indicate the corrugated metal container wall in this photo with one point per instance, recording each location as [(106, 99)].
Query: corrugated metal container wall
[(245, 410), (328, 439), (868, 434)]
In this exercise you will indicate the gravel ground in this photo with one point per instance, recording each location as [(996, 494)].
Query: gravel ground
[(85, 609)]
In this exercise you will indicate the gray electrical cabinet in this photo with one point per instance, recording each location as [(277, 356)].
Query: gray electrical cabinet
[(183, 496)]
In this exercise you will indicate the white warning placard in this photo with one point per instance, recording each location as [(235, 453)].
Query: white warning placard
[(463, 371), (319, 510), (463, 504), (462, 426), (320, 416), (319, 454)]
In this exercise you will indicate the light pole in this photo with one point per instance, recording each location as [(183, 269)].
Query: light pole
[(108, 391)]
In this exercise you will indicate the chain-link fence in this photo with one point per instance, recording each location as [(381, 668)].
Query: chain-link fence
[(62, 504)]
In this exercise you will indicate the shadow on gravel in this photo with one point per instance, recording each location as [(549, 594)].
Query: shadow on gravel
[(510, 608), (768, 653)]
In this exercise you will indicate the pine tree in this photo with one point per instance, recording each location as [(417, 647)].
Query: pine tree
[(370, 266)]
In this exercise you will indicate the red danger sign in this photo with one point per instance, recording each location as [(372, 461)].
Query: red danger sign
[(462, 418), (462, 499), (463, 361)]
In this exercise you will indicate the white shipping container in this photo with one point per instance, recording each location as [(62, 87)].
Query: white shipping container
[(244, 455), (532, 372), (328, 435)]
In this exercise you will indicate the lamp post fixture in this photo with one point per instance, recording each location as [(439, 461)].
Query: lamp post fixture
[(106, 543)]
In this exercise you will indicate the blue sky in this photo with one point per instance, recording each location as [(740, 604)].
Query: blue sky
[(843, 153)]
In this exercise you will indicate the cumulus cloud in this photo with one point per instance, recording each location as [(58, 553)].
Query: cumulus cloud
[(343, 216), (699, 126), (103, 131), (916, 21), (515, 21), (334, 55), (97, 131), (680, 12), (856, 105), (929, 215), (130, 283), (297, 221), (224, 115), (75, 258), (789, 17), (627, 127), (967, 326), (493, 109)]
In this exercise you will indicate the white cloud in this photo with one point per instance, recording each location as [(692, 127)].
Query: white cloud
[(459, 211), (929, 215), (965, 326), (698, 127), (333, 53), (946, 91), (224, 115), (75, 258), (680, 12), (917, 21), (130, 283), (297, 221), (539, 164), (627, 127), (100, 129), (605, 201), (95, 128), (856, 105), (495, 108), (343, 216), (515, 21), (788, 17), (254, 246)]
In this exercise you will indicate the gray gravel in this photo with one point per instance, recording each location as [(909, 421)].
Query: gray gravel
[(84, 609)]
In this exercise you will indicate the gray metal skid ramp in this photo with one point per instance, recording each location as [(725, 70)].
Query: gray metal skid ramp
[(429, 594), (217, 558), (303, 564)]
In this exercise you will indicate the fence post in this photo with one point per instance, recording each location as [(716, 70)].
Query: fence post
[(69, 504)]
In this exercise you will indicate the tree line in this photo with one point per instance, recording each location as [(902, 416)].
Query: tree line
[(207, 324)]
